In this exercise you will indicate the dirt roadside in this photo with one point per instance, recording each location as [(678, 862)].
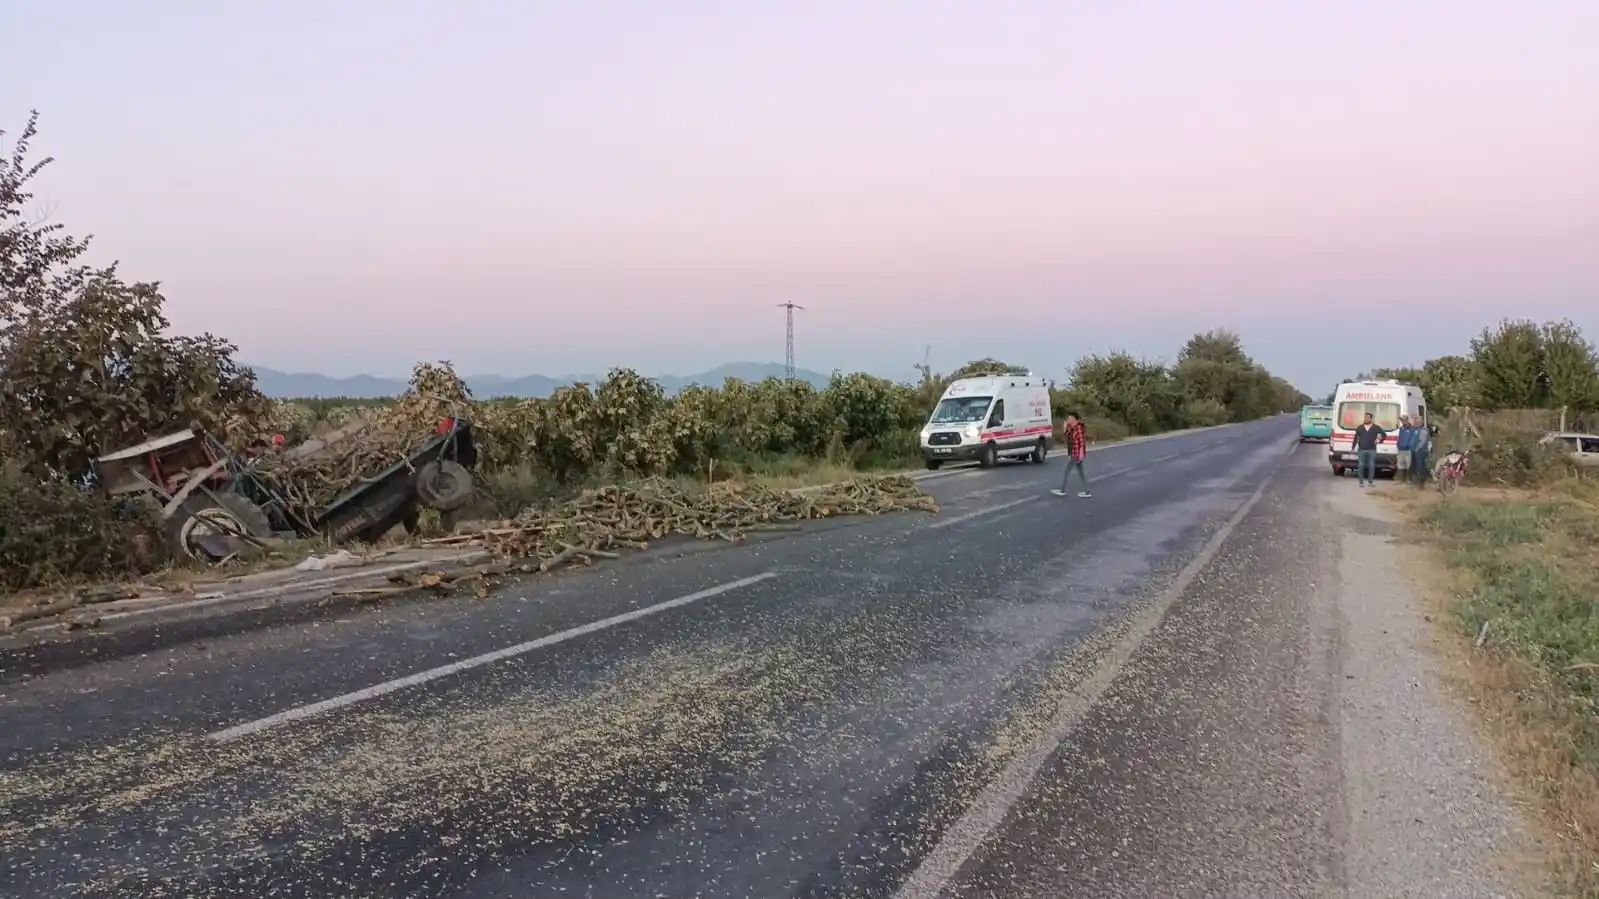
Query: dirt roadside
[(1431, 811)]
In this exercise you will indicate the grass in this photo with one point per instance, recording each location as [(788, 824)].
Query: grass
[(1524, 582)]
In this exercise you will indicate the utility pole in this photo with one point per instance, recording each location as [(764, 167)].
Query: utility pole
[(788, 349)]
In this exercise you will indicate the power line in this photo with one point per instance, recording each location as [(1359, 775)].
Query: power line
[(788, 349)]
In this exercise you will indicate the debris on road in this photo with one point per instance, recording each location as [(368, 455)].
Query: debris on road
[(601, 523), (597, 525)]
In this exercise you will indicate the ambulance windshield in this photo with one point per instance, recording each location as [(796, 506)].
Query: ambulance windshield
[(960, 409)]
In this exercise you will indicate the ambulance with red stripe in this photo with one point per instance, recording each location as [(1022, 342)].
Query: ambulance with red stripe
[(990, 418), (1386, 401)]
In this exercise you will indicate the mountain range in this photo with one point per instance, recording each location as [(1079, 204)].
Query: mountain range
[(285, 385)]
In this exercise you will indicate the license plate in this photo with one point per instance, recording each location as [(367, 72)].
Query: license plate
[(943, 450)]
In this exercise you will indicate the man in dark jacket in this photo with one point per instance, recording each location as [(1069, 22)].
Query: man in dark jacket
[(1367, 436)]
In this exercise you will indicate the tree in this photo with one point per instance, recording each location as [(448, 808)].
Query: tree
[(1508, 363), (1402, 375), (86, 364), (1219, 345), (1138, 393), (1449, 382), (984, 366), (1571, 370)]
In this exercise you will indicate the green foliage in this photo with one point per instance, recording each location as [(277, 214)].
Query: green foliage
[(1449, 382), (985, 366), (1570, 367), (866, 407), (52, 531), (86, 361), (1513, 365), (1141, 395), (1508, 364)]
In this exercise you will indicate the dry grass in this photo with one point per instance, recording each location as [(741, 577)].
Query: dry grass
[(1525, 566)]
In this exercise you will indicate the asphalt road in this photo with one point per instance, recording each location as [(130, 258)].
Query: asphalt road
[(1023, 695)]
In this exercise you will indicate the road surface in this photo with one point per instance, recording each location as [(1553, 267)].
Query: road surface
[(1138, 694)]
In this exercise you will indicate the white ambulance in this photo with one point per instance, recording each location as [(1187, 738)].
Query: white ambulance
[(990, 418), (1385, 402)]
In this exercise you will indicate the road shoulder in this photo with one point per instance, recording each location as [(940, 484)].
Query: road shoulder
[(1429, 808)]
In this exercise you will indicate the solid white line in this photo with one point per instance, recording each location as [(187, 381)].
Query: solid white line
[(966, 835), (422, 677)]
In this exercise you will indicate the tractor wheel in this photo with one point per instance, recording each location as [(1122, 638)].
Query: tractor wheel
[(202, 516)]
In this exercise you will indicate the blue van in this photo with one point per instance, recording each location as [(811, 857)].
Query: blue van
[(1315, 423)]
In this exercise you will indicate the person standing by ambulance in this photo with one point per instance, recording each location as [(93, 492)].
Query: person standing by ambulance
[(1076, 451), (1406, 446), (1367, 436)]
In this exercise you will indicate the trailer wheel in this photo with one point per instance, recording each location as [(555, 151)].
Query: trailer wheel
[(1040, 452), (989, 457), (202, 516), (444, 485)]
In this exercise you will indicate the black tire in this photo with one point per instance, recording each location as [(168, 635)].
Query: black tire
[(199, 515), (1338, 471), (989, 456), (932, 464), (444, 485), (1040, 452)]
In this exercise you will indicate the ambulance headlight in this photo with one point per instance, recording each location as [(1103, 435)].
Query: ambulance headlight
[(971, 432), (926, 432)]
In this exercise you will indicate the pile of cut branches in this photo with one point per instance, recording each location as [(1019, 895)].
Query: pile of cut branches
[(605, 522)]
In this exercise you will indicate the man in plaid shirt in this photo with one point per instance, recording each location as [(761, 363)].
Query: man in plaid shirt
[(1076, 451)]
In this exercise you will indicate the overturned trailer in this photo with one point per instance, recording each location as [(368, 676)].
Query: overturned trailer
[(213, 503)]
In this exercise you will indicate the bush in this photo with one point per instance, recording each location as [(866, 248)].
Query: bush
[(1101, 430), (1205, 413), (53, 532)]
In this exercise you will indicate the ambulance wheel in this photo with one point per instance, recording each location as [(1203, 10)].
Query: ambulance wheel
[(1040, 452), (932, 464), (989, 457)]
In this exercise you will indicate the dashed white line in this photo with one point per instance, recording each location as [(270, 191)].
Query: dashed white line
[(348, 699), (949, 522)]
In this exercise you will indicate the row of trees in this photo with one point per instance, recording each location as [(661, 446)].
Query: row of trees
[(1517, 364)]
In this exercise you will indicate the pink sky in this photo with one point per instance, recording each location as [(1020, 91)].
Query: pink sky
[(537, 187)]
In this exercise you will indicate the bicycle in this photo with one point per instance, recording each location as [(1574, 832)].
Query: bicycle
[(1451, 471)]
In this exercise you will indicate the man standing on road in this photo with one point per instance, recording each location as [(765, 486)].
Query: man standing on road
[(1367, 436), (1407, 445), (1076, 450)]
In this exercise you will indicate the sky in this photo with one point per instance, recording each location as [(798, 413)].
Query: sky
[(538, 187)]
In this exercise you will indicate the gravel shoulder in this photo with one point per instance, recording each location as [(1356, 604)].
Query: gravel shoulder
[(1284, 732)]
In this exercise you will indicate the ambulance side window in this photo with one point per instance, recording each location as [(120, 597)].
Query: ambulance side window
[(998, 415)]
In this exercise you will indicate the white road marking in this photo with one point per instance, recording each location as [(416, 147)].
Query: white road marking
[(940, 867), (949, 522), (422, 677)]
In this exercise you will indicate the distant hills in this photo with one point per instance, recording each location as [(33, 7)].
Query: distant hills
[(284, 385)]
